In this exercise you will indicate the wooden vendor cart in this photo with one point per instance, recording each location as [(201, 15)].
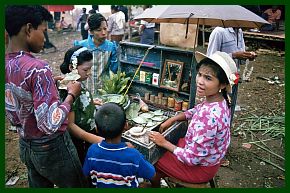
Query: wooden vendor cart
[(166, 82)]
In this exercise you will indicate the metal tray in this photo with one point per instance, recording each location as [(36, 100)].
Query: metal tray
[(150, 150)]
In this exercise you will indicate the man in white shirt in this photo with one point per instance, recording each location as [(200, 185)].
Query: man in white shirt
[(116, 24), (231, 41)]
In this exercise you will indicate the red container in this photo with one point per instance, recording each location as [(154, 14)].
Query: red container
[(178, 105)]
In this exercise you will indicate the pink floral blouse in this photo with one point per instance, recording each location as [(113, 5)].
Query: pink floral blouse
[(208, 135)]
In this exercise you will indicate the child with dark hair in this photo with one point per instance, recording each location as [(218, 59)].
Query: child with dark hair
[(197, 157), (104, 51), (81, 120), (32, 103), (111, 164)]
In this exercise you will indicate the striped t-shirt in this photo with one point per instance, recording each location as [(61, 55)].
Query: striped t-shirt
[(116, 166)]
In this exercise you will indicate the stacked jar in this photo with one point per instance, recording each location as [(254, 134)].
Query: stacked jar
[(185, 105), (178, 104), (170, 103)]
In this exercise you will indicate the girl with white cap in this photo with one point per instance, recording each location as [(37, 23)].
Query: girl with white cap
[(196, 158)]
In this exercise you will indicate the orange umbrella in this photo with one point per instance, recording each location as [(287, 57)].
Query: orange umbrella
[(59, 8)]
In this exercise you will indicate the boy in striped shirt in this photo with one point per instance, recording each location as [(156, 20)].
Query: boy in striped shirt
[(111, 163)]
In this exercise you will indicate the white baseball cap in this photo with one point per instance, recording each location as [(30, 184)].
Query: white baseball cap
[(226, 63)]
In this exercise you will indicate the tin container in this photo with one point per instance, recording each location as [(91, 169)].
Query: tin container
[(152, 98), (164, 101), (184, 105), (160, 95), (178, 105), (147, 96), (156, 100), (170, 102)]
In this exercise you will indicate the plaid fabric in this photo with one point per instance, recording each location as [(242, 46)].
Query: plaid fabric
[(104, 58), (99, 69)]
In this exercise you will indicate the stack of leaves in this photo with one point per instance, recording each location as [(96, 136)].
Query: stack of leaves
[(132, 111), (114, 83), (116, 98)]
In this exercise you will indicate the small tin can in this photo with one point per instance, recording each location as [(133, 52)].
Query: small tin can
[(164, 101), (152, 98), (170, 102), (147, 96), (184, 105), (156, 100), (178, 105)]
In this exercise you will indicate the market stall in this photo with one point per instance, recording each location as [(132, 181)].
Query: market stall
[(162, 82)]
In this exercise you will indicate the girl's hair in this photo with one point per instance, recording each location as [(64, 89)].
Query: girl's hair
[(110, 120), (17, 16), (82, 57), (95, 21), (220, 74)]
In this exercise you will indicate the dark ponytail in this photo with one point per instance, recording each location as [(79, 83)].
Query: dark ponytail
[(226, 97)]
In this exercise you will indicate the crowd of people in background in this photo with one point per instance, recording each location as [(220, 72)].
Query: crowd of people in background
[(274, 14)]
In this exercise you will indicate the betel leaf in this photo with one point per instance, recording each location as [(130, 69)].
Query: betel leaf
[(158, 112), (113, 98), (102, 91), (132, 111), (140, 120)]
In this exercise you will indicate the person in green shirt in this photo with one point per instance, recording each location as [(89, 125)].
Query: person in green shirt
[(81, 125)]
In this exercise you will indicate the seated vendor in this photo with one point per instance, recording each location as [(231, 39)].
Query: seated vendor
[(272, 15), (64, 25), (196, 158)]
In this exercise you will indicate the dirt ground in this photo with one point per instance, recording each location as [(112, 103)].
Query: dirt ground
[(250, 165)]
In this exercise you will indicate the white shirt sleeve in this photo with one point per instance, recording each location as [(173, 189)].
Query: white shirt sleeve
[(214, 43)]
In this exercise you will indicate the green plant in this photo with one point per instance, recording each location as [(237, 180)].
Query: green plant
[(114, 83)]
